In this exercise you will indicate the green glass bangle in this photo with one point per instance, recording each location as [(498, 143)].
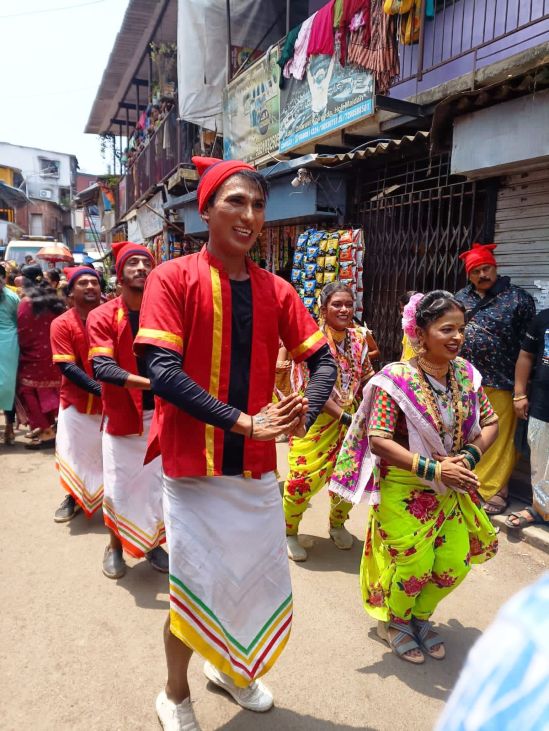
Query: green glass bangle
[(421, 466), (431, 469), (475, 452)]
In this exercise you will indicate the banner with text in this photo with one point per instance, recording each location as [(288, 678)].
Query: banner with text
[(251, 111)]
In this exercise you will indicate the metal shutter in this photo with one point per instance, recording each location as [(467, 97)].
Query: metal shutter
[(522, 232)]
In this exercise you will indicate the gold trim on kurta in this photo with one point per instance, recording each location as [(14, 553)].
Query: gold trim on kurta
[(168, 337), (215, 368), (63, 358), (100, 351), (305, 345)]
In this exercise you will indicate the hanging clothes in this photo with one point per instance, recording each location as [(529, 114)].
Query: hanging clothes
[(374, 47), (349, 9), (296, 67), (410, 17), (321, 41), (288, 52)]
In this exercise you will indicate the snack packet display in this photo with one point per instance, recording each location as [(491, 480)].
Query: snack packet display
[(319, 277), (302, 240), (296, 276), (346, 270), (312, 253), (309, 287), (310, 270), (345, 252), (330, 264), (298, 258)]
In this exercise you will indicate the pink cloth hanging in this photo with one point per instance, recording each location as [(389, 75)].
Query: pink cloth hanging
[(296, 66), (321, 41)]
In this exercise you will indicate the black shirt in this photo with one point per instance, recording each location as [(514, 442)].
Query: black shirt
[(148, 396), (536, 342), (239, 377)]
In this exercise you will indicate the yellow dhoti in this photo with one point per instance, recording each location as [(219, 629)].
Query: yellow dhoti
[(496, 466)]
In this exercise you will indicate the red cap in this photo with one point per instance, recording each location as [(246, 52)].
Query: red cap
[(122, 250), (72, 274), (213, 173), (478, 255)]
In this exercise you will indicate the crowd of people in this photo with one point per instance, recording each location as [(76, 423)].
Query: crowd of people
[(170, 385)]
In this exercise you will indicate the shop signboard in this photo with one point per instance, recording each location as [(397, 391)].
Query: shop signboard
[(329, 97), (251, 111), (150, 216)]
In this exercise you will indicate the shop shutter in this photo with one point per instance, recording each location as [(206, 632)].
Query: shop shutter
[(522, 232)]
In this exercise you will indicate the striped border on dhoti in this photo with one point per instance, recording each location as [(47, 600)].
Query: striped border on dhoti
[(132, 504), (230, 591), (78, 457)]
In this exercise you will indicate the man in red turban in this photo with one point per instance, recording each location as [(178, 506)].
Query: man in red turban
[(209, 331), (78, 437), (498, 314), (132, 504)]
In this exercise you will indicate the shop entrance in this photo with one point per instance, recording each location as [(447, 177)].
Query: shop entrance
[(417, 219)]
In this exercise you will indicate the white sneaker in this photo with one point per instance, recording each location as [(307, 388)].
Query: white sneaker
[(256, 697), (175, 716), (342, 538), (295, 550)]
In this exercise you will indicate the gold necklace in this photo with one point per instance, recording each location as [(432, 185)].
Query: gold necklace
[(338, 336), (431, 368), (434, 411)]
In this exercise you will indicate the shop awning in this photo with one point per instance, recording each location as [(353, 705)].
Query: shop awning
[(381, 148), (11, 197)]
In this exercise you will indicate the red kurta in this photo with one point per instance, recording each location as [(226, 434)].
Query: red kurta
[(110, 334), (187, 308), (69, 344)]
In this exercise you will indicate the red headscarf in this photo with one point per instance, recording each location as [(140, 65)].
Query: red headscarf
[(478, 255), (122, 251), (213, 173), (72, 274)]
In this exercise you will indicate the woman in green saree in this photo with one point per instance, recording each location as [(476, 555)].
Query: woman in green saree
[(411, 450)]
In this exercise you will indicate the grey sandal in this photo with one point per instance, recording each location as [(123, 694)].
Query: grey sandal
[(522, 522), (397, 643), (424, 628)]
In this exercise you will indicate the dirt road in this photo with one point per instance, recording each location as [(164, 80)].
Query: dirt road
[(80, 652)]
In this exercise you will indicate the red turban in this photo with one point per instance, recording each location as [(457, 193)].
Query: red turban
[(122, 251), (213, 173), (477, 256), (73, 273)]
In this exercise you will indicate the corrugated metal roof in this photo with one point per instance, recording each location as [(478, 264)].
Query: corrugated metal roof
[(380, 148)]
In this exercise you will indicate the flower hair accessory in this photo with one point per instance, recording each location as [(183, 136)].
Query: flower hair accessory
[(409, 323)]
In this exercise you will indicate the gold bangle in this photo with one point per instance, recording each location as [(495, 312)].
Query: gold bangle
[(438, 472), (520, 398), (415, 460)]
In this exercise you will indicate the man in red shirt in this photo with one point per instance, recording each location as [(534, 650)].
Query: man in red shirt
[(78, 438), (132, 504), (209, 330)]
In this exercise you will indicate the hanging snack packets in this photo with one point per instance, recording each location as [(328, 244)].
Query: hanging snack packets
[(330, 264), (329, 277), (309, 285), (346, 270), (312, 253), (345, 252), (309, 303), (297, 275), (332, 246), (315, 238), (310, 270), (321, 261), (346, 237), (298, 258), (302, 240), (319, 276)]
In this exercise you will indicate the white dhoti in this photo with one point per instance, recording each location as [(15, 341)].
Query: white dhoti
[(230, 590), (78, 457), (132, 503)]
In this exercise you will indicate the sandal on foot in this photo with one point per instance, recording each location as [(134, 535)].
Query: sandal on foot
[(428, 638), (496, 505), (522, 522), (404, 641)]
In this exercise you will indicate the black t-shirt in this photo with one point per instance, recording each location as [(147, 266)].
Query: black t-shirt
[(148, 396), (536, 342), (239, 378)]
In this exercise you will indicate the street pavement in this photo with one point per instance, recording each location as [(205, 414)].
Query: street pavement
[(80, 652)]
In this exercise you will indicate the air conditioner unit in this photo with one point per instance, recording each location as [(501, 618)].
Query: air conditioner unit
[(44, 193)]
